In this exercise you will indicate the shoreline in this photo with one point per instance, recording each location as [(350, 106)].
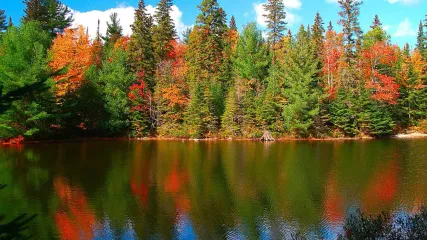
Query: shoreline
[(415, 135)]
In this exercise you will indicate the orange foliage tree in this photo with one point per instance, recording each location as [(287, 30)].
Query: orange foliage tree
[(377, 61), (73, 52), (332, 54)]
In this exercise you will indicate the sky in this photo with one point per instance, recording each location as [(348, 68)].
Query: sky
[(399, 17)]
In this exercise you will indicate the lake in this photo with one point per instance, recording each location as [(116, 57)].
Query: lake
[(208, 190)]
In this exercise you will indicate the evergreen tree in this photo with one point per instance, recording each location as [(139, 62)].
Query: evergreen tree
[(10, 24), (207, 65), (351, 27), (114, 29), (318, 38), (164, 32), (185, 35), (301, 92), (141, 51), (232, 24), (421, 41), (276, 22), (330, 27), (52, 14), (3, 25), (251, 64), (376, 23)]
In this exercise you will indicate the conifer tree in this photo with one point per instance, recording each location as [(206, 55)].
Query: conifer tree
[(421, 41), (52, 14), (3, 25), (164, 32), (376, 23), (351, 28), (318, 38), (232, 24), (205, 61), (301, 92), (330, 27), (10, 24), (141, 51), (276, 22), (114, 29)]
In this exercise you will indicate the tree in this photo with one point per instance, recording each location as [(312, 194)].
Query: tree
[(206, 68), (52, 14), (25, 82), (70, 51), (3, 25), (10, 24), (351, 28), (376, 23), (250, 62), (164, 32), (318, 38), (276, 24), (141, 51), (300, 91), (232, 24), (185, 35), (332, 54), (421, 41), (114, 29)]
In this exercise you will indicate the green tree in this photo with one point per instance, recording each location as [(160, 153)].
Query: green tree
[(421, 41), (251, 66), (25, 76), (232, 24), (207, 65), (318, 37), (164, 32), (351, 28), (276, 22), (301, 90), (141, 50), (52, 15), (114, 29), (3, 25), (376, 23)]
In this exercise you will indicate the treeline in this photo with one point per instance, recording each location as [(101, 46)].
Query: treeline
[(55, 82)]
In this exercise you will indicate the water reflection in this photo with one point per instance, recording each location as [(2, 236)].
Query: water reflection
[(190, 190)]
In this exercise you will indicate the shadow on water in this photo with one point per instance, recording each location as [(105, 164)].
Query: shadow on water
[(16, 228)]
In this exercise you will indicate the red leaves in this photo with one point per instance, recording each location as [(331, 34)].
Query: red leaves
[(375, 60), (139, 94)]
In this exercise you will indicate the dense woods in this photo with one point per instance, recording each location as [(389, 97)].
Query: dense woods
[(56, 82)]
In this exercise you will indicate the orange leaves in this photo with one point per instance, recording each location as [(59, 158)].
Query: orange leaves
[(122, 43), (332, 53), (376, 62), (71, 51), (173, 95)]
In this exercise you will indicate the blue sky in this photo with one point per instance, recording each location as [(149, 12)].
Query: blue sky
[(400, 17)]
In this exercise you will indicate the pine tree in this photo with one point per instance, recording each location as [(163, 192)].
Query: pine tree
[(376, 23), (114, 29), (301, 92), (232, 24), (186, 34), (330, 27), (141, 51), (164, 32), (10, 24), (351, 27), (276, 22), (207, 65), (52, 14), (318, 38), (421, 41), (3, 25)]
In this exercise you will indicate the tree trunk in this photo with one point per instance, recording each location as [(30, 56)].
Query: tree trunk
[(266, 137)]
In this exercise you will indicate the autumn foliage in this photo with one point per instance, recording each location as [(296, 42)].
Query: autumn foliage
[(71, 52)]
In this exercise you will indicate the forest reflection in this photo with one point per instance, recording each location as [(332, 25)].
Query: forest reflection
[(189, 190)]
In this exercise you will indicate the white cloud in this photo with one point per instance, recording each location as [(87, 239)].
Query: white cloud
[(291, 18), (126, 15), (292, 3), (404, 29), (406, 2)]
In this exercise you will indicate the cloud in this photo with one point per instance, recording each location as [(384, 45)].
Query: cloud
[(404, 29), (291, 18), (406, 2), (126, 15)]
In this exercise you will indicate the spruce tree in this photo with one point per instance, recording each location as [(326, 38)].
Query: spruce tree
[(376, 23), (3, 25), (351, 28), (207, 65), (232, 24), (421, 41), (141, 51), (52, 15), (330, 26), (114, 29), (301, 91), (10, 24), (164, 32), (276, 22), (318, 38)]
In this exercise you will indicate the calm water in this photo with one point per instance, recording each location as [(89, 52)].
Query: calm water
[(208, 190)]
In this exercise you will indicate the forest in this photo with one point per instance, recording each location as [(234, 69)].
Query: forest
[(56, 82)]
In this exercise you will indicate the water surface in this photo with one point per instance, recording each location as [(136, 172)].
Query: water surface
[(208, 190)]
